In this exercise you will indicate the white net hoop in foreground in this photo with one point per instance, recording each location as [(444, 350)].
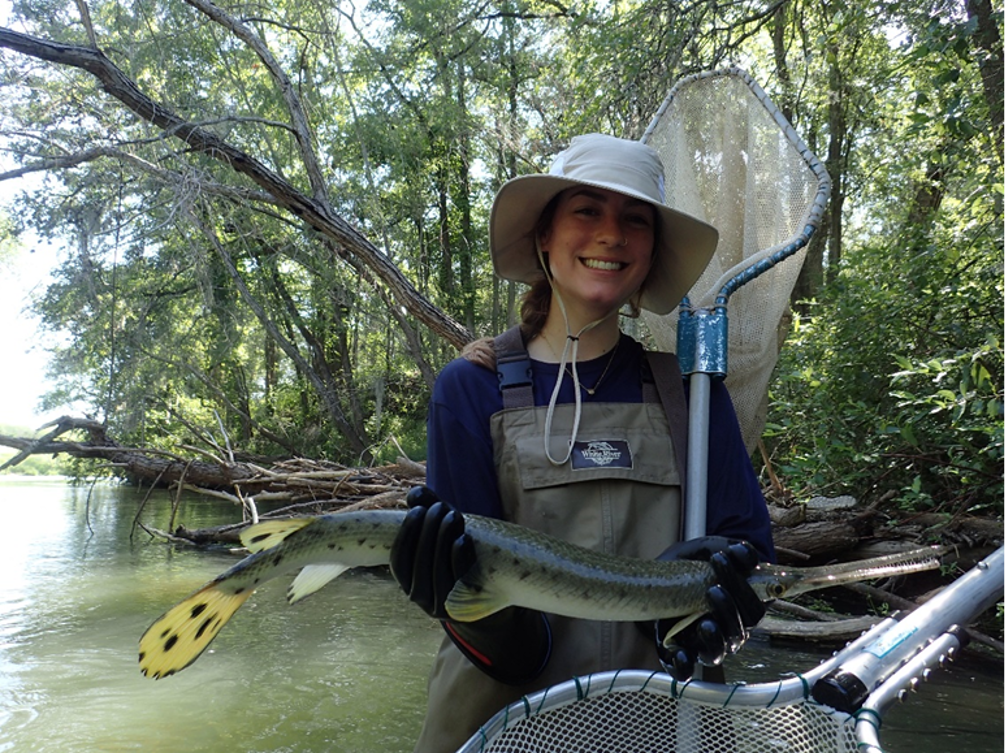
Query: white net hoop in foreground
[(634, 711), (734, 161)]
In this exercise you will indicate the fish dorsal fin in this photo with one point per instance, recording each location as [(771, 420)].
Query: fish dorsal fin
[(469, 600), (265, 535), (313, 578)]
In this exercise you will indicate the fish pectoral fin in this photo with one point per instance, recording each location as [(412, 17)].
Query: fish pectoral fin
[(265, 535), (680, 625), (313, 578), (180, 635), (468, 602)]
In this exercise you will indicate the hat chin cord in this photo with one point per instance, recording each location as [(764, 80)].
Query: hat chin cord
[(569, 354)]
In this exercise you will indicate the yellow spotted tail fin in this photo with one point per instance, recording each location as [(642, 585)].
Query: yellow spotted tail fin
[(180, 635)]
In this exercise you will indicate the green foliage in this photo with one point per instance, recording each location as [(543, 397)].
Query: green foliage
[(894, 383), (891, 385), (196, 311), (34, 465)]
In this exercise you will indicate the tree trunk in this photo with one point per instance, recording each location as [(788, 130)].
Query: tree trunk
[(988, 44)]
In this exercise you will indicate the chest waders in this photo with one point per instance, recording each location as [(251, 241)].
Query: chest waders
[(619, 493)]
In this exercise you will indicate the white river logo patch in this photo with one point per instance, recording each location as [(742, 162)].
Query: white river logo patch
[(588, 455)]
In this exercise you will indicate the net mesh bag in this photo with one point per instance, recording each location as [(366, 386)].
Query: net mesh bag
[(733, 161), (638, 716)]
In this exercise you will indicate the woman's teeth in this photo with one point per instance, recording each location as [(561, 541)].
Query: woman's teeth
[(602, 264)]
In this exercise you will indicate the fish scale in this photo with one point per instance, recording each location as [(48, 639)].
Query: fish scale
[(514, 566)]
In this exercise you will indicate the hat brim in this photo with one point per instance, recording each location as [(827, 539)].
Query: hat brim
[(685, 244)]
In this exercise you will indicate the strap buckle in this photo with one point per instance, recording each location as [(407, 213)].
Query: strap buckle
[(514, 372)]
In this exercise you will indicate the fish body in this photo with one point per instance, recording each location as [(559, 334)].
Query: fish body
[(514, 566)]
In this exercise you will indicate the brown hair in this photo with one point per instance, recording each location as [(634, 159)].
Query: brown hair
[(481, 351)]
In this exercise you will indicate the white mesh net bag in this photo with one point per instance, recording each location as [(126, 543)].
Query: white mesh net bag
[(733, 161), (633, 711)]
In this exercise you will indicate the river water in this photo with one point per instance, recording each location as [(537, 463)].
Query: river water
[(342, 672)]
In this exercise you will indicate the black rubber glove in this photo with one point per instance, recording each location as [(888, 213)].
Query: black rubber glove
[(431, 551), (430, 554), (734, 606)]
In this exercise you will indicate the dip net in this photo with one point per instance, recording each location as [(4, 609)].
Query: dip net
[(649, 712), (733, 160)]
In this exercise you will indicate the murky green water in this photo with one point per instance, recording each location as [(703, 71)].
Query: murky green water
[(344, 671)]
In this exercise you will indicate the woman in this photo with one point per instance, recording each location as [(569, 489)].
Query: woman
[(557, 426)]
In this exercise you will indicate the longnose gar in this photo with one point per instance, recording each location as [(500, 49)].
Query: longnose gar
[(514, 566)]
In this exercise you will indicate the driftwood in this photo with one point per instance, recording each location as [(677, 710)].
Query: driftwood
[(894, 601), (299, 484), (816, 631), (818, 530), (817, 539), (823, 529)]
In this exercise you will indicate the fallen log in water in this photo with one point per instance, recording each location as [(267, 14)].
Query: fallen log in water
[(303, 486)]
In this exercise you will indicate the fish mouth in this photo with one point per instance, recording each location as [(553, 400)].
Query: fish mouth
[(595, 264)]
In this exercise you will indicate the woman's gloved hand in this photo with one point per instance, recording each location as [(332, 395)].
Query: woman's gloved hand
[(734, 607), (430, 554), (431, 551)]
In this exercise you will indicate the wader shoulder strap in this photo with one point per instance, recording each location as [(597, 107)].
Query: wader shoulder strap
[(671, 390), (513, 368)]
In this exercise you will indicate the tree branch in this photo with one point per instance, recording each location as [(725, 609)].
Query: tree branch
[(309, 210), (324, 389), (85, 18), (169, 178), (300, 126)]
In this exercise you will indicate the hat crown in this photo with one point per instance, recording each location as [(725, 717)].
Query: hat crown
[(626, 166)]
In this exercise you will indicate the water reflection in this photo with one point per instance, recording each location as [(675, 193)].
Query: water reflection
[(343, 671)]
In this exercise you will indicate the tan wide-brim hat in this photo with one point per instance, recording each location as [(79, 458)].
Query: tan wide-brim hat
[(685, 245)]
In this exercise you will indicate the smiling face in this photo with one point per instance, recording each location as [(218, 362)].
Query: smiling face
[(600, 247)]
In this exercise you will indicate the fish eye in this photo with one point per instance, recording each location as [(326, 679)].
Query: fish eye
[(776, 590)]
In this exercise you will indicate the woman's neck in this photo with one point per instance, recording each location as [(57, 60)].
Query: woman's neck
[(594, 342)]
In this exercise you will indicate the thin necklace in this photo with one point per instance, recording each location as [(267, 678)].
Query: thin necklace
[(590, 391)]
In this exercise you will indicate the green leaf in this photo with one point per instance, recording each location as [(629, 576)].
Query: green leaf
[(909, 435)]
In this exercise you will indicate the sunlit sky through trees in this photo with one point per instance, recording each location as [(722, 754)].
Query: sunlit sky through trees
[(24, 271), (21, 343)]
